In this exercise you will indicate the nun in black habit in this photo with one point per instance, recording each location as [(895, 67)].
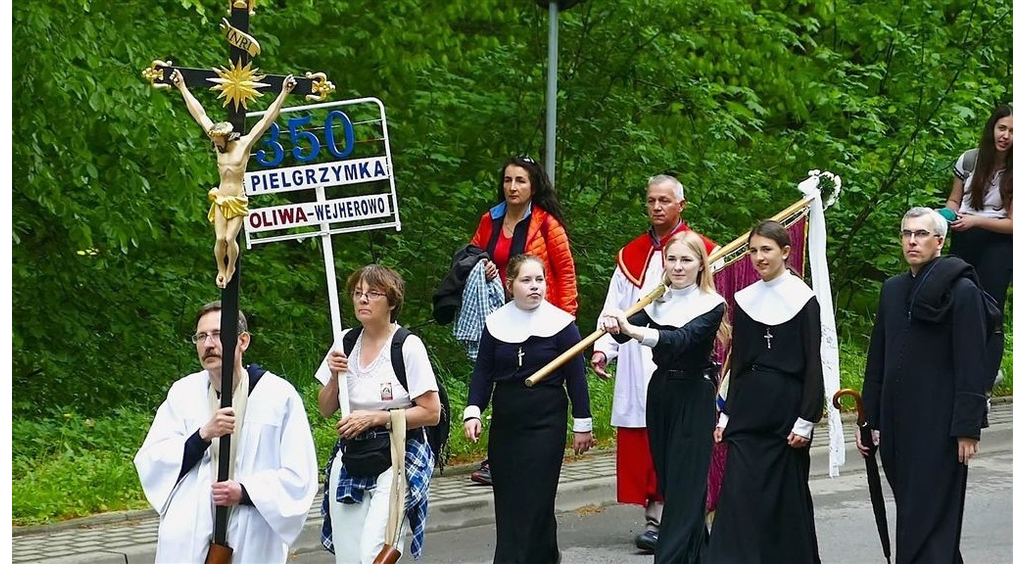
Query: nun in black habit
[(924, 390), (528, 424), (765, 514), (680, 327)]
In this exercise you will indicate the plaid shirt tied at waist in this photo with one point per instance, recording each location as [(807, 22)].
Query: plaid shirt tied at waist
[(419, 465)]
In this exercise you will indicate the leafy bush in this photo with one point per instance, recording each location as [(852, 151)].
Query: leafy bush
[(75, 485), (66, 465)]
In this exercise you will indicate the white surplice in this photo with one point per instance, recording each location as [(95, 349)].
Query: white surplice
[(635, 363), (276, 462)]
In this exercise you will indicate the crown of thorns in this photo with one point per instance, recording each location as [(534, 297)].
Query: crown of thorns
[(221, 129)]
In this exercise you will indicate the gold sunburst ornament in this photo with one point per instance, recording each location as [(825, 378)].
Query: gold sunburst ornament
[(238, 84)]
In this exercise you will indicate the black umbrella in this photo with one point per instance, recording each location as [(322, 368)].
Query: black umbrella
[(874, 479)]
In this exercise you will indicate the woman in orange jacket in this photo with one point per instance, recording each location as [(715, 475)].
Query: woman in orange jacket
[(528, 219)]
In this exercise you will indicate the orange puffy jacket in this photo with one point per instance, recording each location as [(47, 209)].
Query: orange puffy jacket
[(547, 240)]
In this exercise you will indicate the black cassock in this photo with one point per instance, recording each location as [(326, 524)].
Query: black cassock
[(680, 423), (924, 386), (765, 514)]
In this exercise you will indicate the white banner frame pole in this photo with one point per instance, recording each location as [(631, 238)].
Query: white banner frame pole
[(335, 305)]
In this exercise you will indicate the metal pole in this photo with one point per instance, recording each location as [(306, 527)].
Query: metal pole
[(552, 102)]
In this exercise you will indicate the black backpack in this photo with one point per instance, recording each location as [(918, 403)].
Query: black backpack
[(993, 330), (437, 435), (950, 268)]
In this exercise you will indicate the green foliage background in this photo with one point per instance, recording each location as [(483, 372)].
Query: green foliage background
[(111, 248)]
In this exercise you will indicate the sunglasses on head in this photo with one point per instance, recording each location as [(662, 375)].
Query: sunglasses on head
[(526, 159)]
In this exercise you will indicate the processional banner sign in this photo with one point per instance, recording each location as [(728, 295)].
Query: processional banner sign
[(338, 178)]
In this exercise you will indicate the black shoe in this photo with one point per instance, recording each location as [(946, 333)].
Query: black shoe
[(647, 541), (482, 475)]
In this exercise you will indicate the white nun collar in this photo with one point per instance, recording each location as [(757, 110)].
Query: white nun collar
[(774, 302), (677, 307), (513, 325)]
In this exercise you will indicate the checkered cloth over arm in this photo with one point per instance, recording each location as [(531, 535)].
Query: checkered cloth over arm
[(419, 465), (480, 298)]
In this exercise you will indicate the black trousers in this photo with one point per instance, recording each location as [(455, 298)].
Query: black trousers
[(991, 255)]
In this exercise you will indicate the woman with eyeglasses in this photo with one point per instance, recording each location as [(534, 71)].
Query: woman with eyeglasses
[(357, 497), (527, 219), (765, 512), (981, 205), (527, 434)]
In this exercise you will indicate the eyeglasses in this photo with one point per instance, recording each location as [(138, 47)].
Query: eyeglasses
[(526, 159), (919, 234), (202, 337), (372, 295)]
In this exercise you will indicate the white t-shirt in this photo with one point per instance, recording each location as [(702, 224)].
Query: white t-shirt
[(992, 206), (376, 386)]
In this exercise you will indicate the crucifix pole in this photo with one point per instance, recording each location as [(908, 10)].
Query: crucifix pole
[(239, 58), (238, 83)]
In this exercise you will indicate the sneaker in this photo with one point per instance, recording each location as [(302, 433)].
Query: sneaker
[(647, 541), (483, 474)]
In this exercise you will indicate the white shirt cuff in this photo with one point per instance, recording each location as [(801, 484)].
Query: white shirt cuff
[(723, 419), (649, 336), (583, 425), (471, 412), (803, 427)]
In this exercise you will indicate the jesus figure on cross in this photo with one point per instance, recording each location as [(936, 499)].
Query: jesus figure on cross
[(229, 204)]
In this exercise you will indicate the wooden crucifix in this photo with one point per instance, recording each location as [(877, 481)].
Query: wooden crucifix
[(238, 84)]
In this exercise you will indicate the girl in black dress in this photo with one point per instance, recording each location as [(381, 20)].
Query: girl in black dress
[(681, 327), (527, 437), (765, 514)]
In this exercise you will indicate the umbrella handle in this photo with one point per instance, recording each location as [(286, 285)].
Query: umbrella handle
[(836, 401)]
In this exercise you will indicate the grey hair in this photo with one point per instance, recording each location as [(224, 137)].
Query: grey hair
[(677, 186), (243, 325), (939, 223)]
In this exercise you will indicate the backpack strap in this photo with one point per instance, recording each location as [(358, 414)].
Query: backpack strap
[(970, 160), (348, 342), (967, 163), (397, 360)]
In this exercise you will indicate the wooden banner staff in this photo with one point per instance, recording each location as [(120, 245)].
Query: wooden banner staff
[(718, 254)]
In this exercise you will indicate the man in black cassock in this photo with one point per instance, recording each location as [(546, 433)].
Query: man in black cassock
[(924, 390)]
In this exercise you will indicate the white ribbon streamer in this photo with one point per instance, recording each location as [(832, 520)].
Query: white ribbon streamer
[(823, 291)]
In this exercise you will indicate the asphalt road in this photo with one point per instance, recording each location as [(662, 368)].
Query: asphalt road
[(845, 522)]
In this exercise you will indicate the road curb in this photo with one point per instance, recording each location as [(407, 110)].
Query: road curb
[(128, 517)]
